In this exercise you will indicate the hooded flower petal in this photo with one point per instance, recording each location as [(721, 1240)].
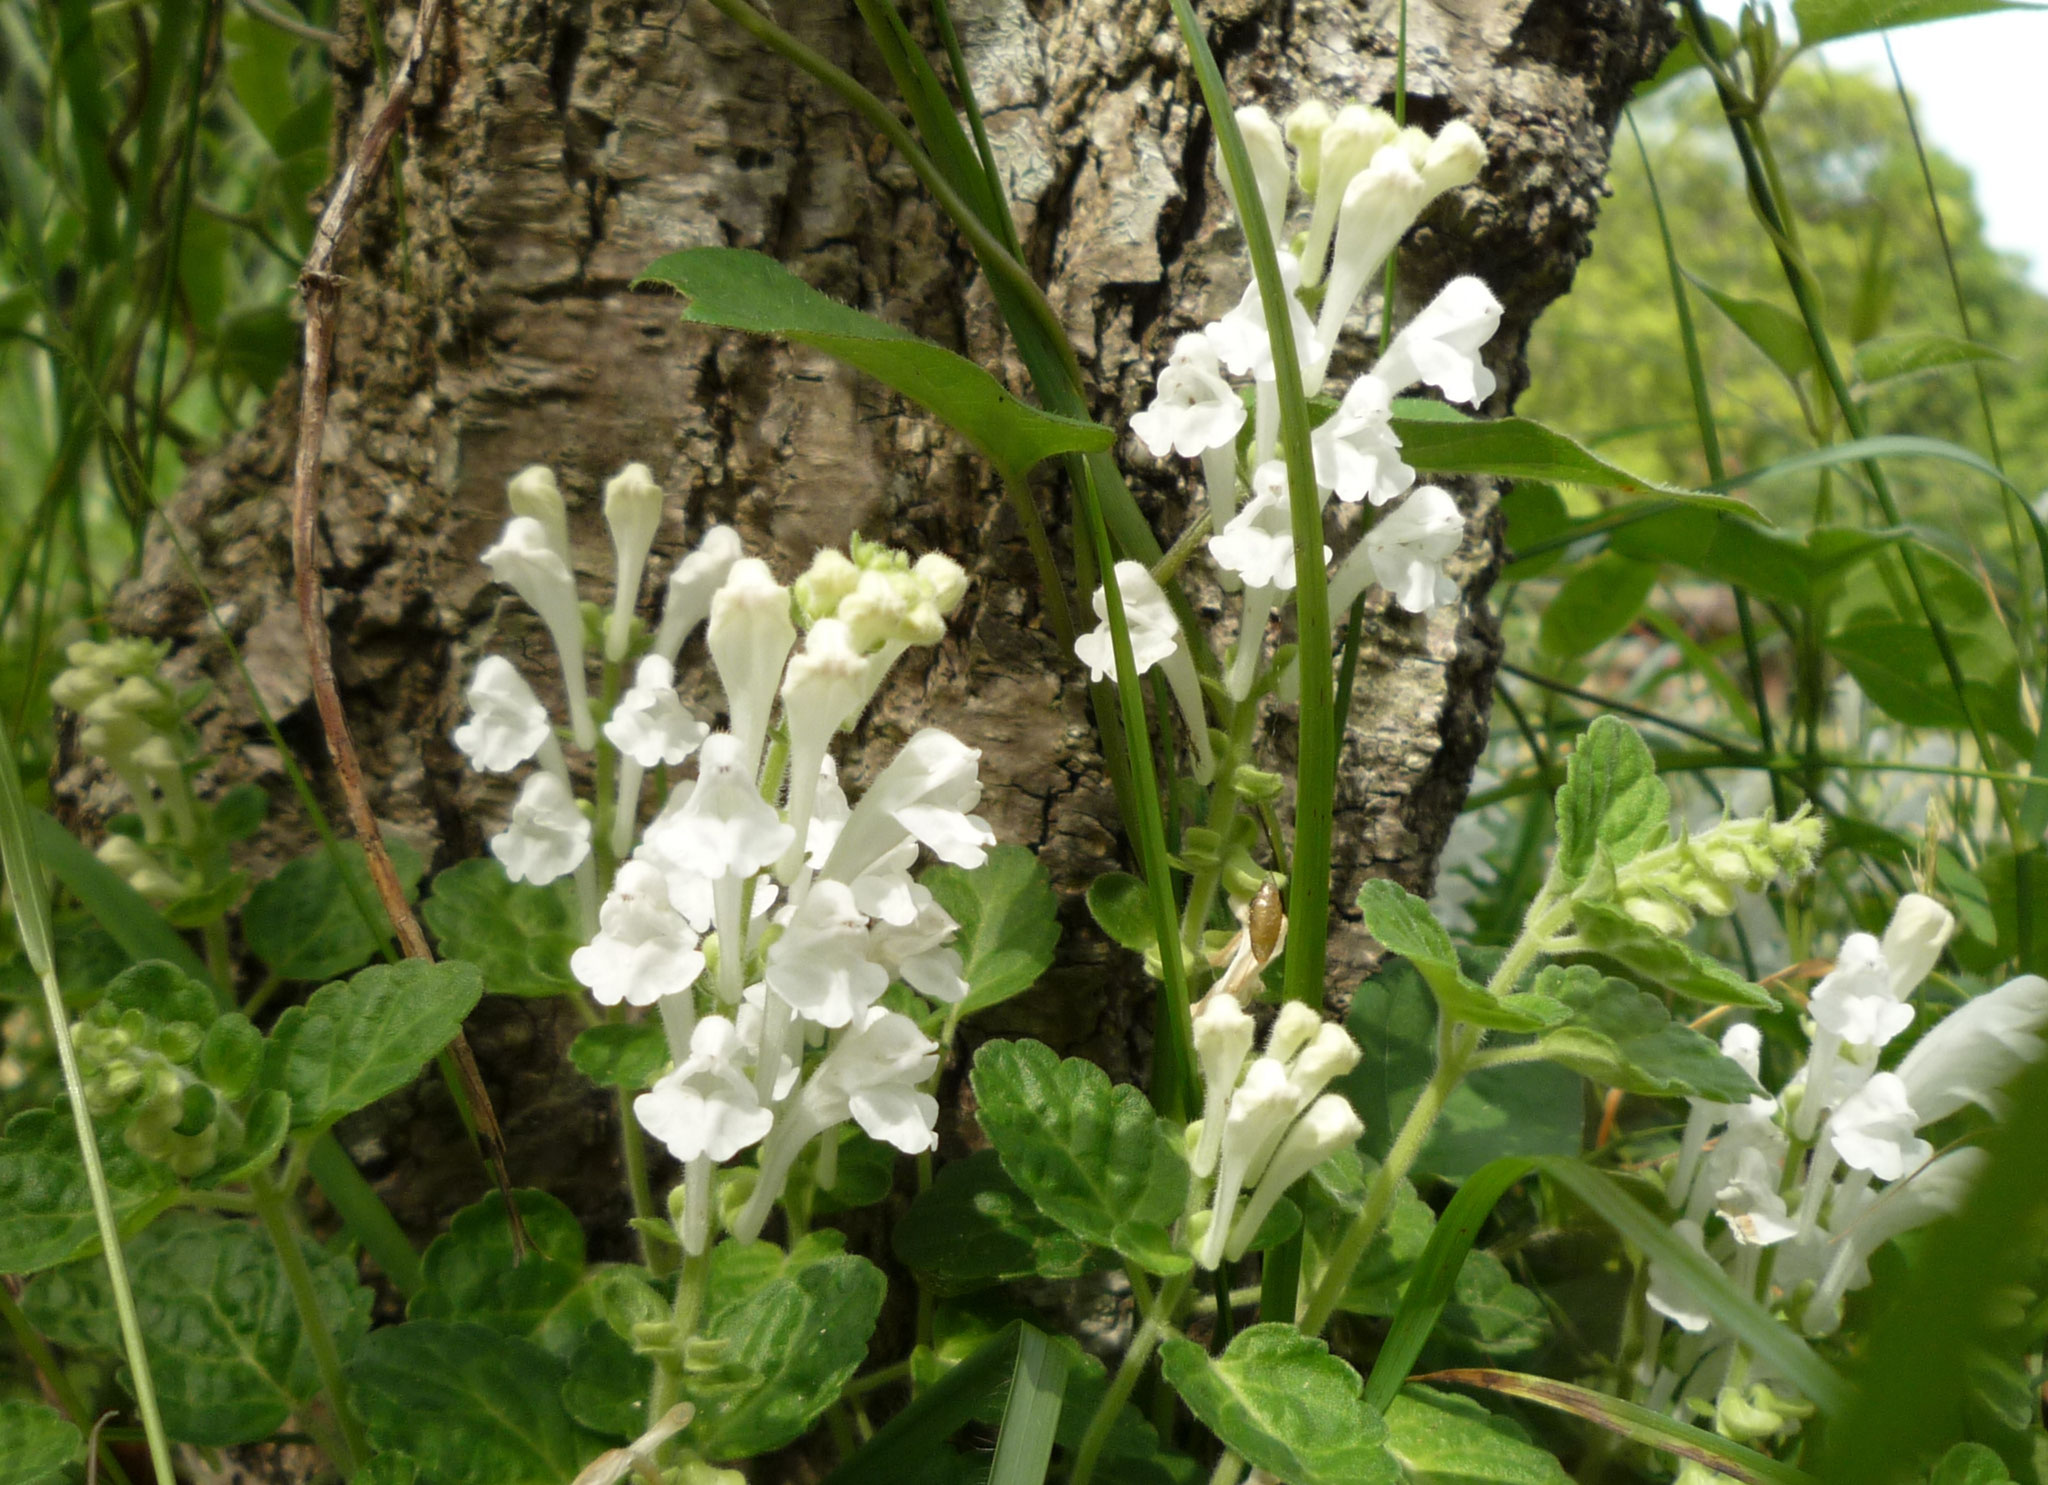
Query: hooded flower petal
[(1195, 409), (691, 585), (821, 965), (632, 509), (1267, 150), (1919, 930), (525, 561), (706, 1107), (1750, 1204), (1380, 204), (1357, 455), (651, 725), (1854, 1001), (548, 837), (1240, 338), (1155, 632), (825, 687), (1440, 346), (925, 792), (750, 637), (1258, 544), (1669, 1295), (724, 829), (1406, 553), (1873, 1129), (1977, 1050), (644, 949), (507, 724)]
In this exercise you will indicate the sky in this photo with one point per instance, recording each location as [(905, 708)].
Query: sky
[(1976, 84)]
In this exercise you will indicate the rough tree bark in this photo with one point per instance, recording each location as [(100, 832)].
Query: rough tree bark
[(557, 146)]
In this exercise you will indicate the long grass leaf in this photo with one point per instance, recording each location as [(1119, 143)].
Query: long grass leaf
[(124, 913), (1031, 1417), (906, 1440)]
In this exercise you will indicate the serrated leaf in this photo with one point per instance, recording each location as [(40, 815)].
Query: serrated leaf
[(629, 1056), (734, 289), (351, 1044), (788, 1349), (1122, 908), (37, 1444), (1777, 332), (264, 1130), (472, 1405), (1663, 961), (1403, 923), (471, 1273), (1917, 353), (608, 1383), (1438, 1437), (1286, 1405), (1009, 922), (1611, 797), (164, 991), (973, 1227), (1826, 20), (1622, 1037), (304, 922), (519, 935), (1598, 601), (1093, 1156), (46, 1214)]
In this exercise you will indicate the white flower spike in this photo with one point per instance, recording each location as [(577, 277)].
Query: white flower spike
[(1240, 338), (507, 724)]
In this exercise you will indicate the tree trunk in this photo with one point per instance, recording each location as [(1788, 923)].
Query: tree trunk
[(556, 148)]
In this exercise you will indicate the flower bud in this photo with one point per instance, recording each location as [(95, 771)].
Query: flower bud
[(828, 580), (1268, 153), (525, 561), (1223, 1039), (750, 638), (534, 494), (1454, 158), (691, 587), (1655, 913), (1344, 147), (1304, 128), (632, 509), (944, 579)]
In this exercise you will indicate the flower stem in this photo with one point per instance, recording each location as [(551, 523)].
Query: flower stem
[(1143, 1344), (691, 1287), (270, 1211)]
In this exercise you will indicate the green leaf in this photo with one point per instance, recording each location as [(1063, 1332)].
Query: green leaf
[(1970, 1464), (629, 1056), (474, 1406), (1382, 1273), (1827, 20), (264, 1130), (240, 812), (164, 991), (388, 1469), (906, 1444), (1535, 513), (1597, 602), (1122, 908), (230, 1358), (472, 1275), (1662, 961), (1094, 1157), (37, 1444), (1901, 670), (1031, 1414), (304, 923), (46, 1214), (519, 935), (1438, 1437), (1916, 354), (608, 1382), (1622, 1037), (1489, 1312), (1517, 448), (351, 1044), (1403, 923), (738, 290), (232, 1054), (973, 1227), (1798, 570), (786, 1351), (1009, 922), (1777, 332), (1531, 1108), (1611, 797), (1286, 1405)]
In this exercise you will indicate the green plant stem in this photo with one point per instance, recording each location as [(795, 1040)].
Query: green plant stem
[(220, 962), (691, 1287), (270, 1211), (634, 1154), (1042, 558), (364, 1214), (1143, 1344), (37, 1350), (1222, 807)]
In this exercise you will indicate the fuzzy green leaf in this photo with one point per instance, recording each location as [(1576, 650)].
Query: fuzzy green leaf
[(1439, 1437), (37, 1444), (1286, 1405), (46, 1214), (1611, 797), (164, 991), (628, 1055), (1622, 1037), (973, 1227), (1403, 923), (519, 935), (1917, 353), (607, 1384), (351, 1044), (472, 1275), (304, 923), (1121, 906), (1009, 922), (1663, 961)]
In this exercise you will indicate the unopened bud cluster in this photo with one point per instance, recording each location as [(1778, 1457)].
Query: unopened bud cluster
[(1664, 888), (130, 1060)]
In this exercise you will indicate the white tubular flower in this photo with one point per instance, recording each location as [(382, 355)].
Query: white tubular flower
[(706, 1108), (945, 579), (644, 949), (1750, 1204), (724, 829), (924, 793), (632, 509), (651, 726), (525, 561), (1240, 339), (1977, 1050), (1329, 1125), (1294, 1028), (507, 724), (1919, 930), (1440, 345), (1304, 127), (825, 687), (1854, 1002), (1935, 1191), (1454, 158), (829, 814), (1330, 1054), (1380, 204), (1223, 1039), (1268, 151), (1742, 1044), (1260, 1111), (690, 587), (750, 637), (1155, 640), (1194, 409), (917, 950), (1873, 1129), (820, 965), (1668, 1295), (1405, 554), (1357, 453), (1258, 544), (548, 837), (784, 1056), (534, 494), (1345, 148)]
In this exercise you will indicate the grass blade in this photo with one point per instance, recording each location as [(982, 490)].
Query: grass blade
[(1031, 1417), (126, 914), (940, 1411)]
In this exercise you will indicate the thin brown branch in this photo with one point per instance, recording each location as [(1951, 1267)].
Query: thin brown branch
[(320, 288)]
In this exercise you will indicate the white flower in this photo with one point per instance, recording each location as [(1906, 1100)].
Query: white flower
[(644, 948), (525, 561), (1743, 1044), (1223, 1039), (825, 686), (1873, 1129), (1913, 941), (1440, 345), (1977, 1050), (829, 814), (885, 891), (691, 585), (1406, 553), (1344, 148), (706, 1108), (1357, 454), (1195, 409), (925, 792), (1750, 1204), (820, 965), (917, 952), (1668, 1295), (651, 725), (1381, 202), (632, 508), (1935, 1190), (750, 638), (507, 724), (724, 829), (1268, 153), (1240, 338), (533, 493), (1329, 1125), (1854, 1001), (1155, 640), (1455, 158), (1258, 544), (945, 579), (1261, 1108), (548, 837), (1304, 126)]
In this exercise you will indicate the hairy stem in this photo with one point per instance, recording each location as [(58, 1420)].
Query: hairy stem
[(270, 1211)]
